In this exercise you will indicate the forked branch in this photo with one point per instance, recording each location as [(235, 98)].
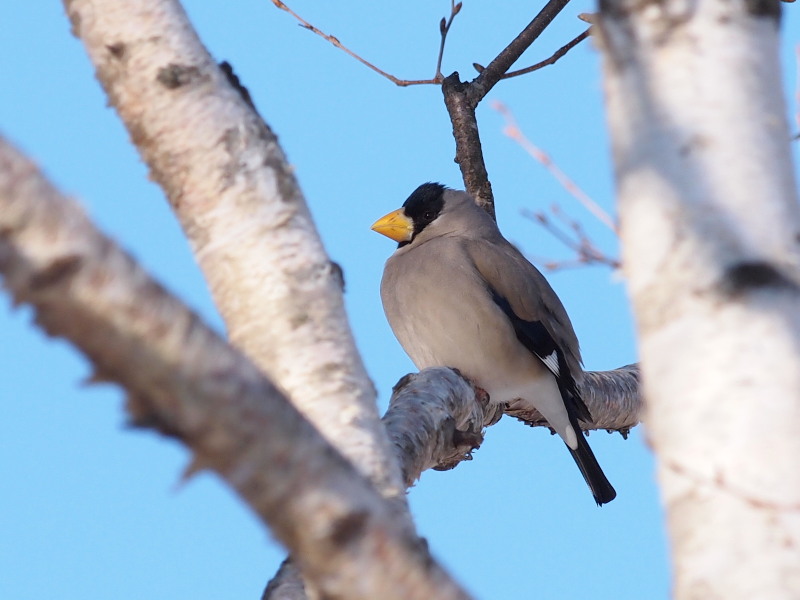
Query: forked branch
[(558, 54)]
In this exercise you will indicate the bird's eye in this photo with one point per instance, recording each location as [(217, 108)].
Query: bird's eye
[(428, 215)]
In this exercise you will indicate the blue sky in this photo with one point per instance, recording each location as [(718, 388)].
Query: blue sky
[(92, 509)]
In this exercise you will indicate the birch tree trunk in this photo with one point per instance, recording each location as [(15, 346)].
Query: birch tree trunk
[(242, 210), (710, 231)]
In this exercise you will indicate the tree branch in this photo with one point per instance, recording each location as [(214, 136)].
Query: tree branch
[(436, 419), (502, 63), (513, 131), (612, 397), (396, 80), (444, 29), (185, 382), (558, 54), (469, 154), (241, 208), (462, 98)]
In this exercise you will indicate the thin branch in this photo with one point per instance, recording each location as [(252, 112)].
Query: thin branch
[(461, 99), (500, 65), (548, 61), (543, 220), (335, 41), (444, 29), (587, 252), (556, 265), (553, 59), (513, 131)]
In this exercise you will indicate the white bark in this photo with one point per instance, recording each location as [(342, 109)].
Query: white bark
[(186, 382), (239, 204), (710, 231)]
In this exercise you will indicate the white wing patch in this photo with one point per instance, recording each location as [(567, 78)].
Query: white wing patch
[(551, 362)]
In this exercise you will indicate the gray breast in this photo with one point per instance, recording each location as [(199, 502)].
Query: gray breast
[(442, 313)]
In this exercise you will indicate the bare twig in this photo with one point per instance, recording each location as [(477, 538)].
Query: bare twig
[(500, 65), (555, 265), (587, 252), (553, 59), (543, 220), (548, 61), (444, 28), (335, 41), (513, 131)]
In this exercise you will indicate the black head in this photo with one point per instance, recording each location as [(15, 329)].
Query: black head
[(423, 206)]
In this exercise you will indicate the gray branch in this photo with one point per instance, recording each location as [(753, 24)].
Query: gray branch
[(436, 418), (612, 398)]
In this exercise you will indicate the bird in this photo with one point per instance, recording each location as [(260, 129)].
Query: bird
[(457, 294)]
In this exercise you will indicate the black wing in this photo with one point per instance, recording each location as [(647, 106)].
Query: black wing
[(535, 337)]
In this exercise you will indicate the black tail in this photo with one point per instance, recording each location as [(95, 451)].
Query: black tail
[(584, 457)]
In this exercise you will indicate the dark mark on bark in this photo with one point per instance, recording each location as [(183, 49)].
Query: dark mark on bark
[(174, 76), (56, 272), (754, 275), (349, 528)]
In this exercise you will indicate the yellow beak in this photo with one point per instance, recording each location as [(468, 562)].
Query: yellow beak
[(396, 225)]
